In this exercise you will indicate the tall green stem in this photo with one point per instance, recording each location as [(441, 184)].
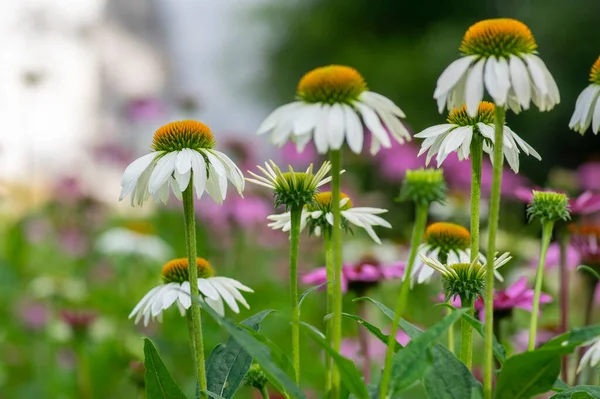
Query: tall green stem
[(417, 236), (328, 328), (476, 165), (336, 236), (499, 113), (539, 277), (563, 240), (296, 214), (466, 347), (190, 243)]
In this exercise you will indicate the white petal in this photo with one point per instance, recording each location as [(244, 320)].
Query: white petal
[(435, 130), (217, 305), (536, 69), (596, 124), (354, 130), (491, 80), (335, 127), (199, 173), (474, 88), (162, 172), (305, 120), (377, 101), (329, 218), (217, 178), (184, 295), (169, 297), (144, 301), (137, 167), (374, 124), (520, 81), (226, 295), (183, 163), (206, 288), (320, 135), (274, 117), (233, 291), (451, 75), (234, 174)]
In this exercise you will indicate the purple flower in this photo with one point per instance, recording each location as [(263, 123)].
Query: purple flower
[(393, 162), (291, 156), (244, 212), (589, 176), (553, 257), (360, 276), (144, 109), (586, 238), (543, 335)]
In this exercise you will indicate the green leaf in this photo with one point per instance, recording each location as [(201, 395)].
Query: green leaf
[(228, 363), (449, 378), (413, 362), (570, 340), (589, 270), (159, 383), (498, 349), (560, 385), (264, 353), (349, 375), (212, 395), (309, 291), (528, 374), (579, 392), (372, 329)]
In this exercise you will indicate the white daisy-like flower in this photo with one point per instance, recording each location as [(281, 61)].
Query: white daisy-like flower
[(319, 216), (591, 356), (440, 239), (457, 134), (134, 239), (499, 55), (214, 291), (587, 107), (464, 278), (183, 153), (332, 100)]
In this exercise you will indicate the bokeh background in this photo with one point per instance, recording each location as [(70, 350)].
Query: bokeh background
[(85, 83)]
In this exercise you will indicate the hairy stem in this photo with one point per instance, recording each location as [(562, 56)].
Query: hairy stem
[(466, 347), (296, 213), (329, 305)]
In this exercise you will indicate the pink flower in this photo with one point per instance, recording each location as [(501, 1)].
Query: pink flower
[(543, 335), (507, 299), (244, 212), (358, 277), (394, 161), (291, 156), (586, 238), (145, 109), (589, 176), (553, 257)]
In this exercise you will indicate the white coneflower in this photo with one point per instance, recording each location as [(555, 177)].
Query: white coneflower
[(331, 102), (456, 136), (440, 240), (183, 153), (464, 278), (176, 290), (591, 356), (499, 55), (319, 216), (587, 107), (134, 239)]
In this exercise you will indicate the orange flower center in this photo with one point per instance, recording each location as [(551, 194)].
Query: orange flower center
[(595, 72), (176, 136), (331, 84), (176, 271), (500, 37), (460, 117), (447, 236), (323, 202)]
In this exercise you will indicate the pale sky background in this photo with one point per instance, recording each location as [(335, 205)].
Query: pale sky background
[(66, 64)]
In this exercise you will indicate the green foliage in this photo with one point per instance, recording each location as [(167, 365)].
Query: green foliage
[(228, 363), (376, 331), (579, 392), (159, 383)]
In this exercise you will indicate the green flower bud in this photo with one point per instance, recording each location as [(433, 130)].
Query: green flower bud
[(423, 186), (549, 206), (255, 377)]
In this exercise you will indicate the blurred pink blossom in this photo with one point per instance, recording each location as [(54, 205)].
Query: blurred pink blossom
[(33, 315), (586, 238), (144, 109), (244, 212), (359, 276), (395, 161), (553, 257), (289, 155), (543, 335), (589, 176)]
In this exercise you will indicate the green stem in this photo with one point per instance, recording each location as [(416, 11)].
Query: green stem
[(329, 310), (499, 114), (264, 392), (450, 332), (466, 347), (563, 240), (417, 236), (336, 235), (83, 370), (476, 166), (296, 214), (546, 235), (190, 243)]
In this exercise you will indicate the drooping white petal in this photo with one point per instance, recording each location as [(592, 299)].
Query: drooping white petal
[(320, 135), (491, 81), (233, 291), (216, 305), (435, 130), (451, 75), (142, 303), (582, 106), (206, 289), (137, 167), (226, 295), (199, 173), (354, 130), (335, 127), (234, 174), (217, 172), (520, 81), (474, 88), (184, 295), (537, 73), (276, 116), (376, 101), (305, 120), (374, 124), (596, 124), (162, 172)]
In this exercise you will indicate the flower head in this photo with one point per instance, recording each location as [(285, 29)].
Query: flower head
[(500, 56), (292, 189), (255, 377), (318, 215), (462, 128), (549, 206), (359, 276), (182, 153), (586, 238), (587, 107), (440, 240), (331, 102), (464, 278), (176, 289), (423, 186)]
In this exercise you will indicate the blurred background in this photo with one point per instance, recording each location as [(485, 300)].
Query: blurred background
[(85, 83)]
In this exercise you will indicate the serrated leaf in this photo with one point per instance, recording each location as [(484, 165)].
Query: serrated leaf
[(228, 363), (264, 353), (159, 382), (349, 375)]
